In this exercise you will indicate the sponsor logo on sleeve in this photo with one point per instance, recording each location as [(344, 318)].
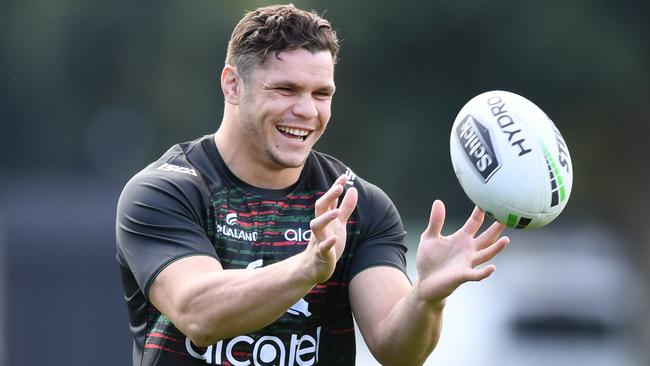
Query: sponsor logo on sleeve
[(167, 167), (351, 177)]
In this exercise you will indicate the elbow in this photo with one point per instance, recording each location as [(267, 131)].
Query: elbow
[(199, 334), (196, 325), (385, 356)]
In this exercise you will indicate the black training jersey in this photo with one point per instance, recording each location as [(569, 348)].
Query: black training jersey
[(189, 203)]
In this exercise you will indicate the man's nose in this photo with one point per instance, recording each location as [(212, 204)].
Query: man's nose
[(305, 107)]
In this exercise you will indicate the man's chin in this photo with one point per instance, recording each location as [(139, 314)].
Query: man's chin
[(292, 161)]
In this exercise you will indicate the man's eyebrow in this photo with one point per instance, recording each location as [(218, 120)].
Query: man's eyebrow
[(276, 83), (329, 89), (292, 85)]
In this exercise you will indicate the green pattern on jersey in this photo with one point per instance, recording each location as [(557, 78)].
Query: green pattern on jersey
[(245, 227)]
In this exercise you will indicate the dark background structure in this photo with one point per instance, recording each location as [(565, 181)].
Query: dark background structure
[(90, 92)]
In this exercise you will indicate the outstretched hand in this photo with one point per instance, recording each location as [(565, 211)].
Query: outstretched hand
[(445, 262), (329, 231)]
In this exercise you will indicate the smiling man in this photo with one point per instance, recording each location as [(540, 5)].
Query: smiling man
[(247, 247)]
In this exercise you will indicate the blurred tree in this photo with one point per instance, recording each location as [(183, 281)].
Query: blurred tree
[(405, 71)]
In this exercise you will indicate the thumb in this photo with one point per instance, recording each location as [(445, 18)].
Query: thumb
[(325, 245)]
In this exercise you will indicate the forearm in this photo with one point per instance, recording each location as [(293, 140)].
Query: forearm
[(227, 303), (409, 333)]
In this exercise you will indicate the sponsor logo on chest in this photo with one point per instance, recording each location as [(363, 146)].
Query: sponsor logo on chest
[(297, 235), (232, 230)]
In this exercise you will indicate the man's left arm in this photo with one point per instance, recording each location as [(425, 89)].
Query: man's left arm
[(398, 329), (400, 322)]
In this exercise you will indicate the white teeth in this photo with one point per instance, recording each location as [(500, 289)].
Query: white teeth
[(293, 131)]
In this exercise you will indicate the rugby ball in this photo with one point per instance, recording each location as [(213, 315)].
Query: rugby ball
[(511, 160)]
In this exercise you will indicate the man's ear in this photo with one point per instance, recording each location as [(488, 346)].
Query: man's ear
[(230, 84)]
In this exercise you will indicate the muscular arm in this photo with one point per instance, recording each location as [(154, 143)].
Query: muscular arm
[(401, 323), (397, 327), (208, 303)]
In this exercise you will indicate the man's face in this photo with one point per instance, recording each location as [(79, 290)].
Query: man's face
[(285, 106)]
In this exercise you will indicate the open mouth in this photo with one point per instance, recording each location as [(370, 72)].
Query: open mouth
[(294, 133)]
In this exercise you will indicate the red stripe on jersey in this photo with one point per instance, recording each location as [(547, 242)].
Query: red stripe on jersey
[(286, 205), (271, 232), (305, 196), (335, 283), (255, 223), (287, 243), (255, 213), (241, 354), (155, 346), (160, 335), (340, 331)]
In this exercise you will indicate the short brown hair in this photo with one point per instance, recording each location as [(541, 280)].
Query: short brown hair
[(275, 29)]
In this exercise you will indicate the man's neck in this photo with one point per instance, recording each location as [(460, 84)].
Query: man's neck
[(248, 168)]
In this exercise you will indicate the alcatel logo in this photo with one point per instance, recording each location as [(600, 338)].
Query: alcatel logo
[(298, 235)]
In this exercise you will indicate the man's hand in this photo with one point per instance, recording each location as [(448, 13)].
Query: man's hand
[(329, 229), (445, 262)]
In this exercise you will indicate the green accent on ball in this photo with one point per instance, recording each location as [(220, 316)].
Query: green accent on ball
[(512, 220), (556, 172)]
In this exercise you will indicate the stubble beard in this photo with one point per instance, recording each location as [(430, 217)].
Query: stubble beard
[(254, 132), (278, 163)]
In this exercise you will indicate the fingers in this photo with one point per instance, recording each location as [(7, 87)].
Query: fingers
[(329, 200), (318, 224), (436, 219), (478, 274), (490, 252), (348, 204), (474, 221), (490, 235)]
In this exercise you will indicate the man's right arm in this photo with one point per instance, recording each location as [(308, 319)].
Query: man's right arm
[(208, 303)]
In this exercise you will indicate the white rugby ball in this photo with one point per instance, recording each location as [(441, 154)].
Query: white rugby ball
[(511, 160)]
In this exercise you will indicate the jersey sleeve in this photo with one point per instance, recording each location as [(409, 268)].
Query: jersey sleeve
[(159, 220), (382, 234)]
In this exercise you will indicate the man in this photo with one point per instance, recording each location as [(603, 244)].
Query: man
[(247, 247)]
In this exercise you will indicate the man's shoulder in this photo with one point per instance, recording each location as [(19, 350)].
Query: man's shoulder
[(184, 163), (184, 170), (330, 168)]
